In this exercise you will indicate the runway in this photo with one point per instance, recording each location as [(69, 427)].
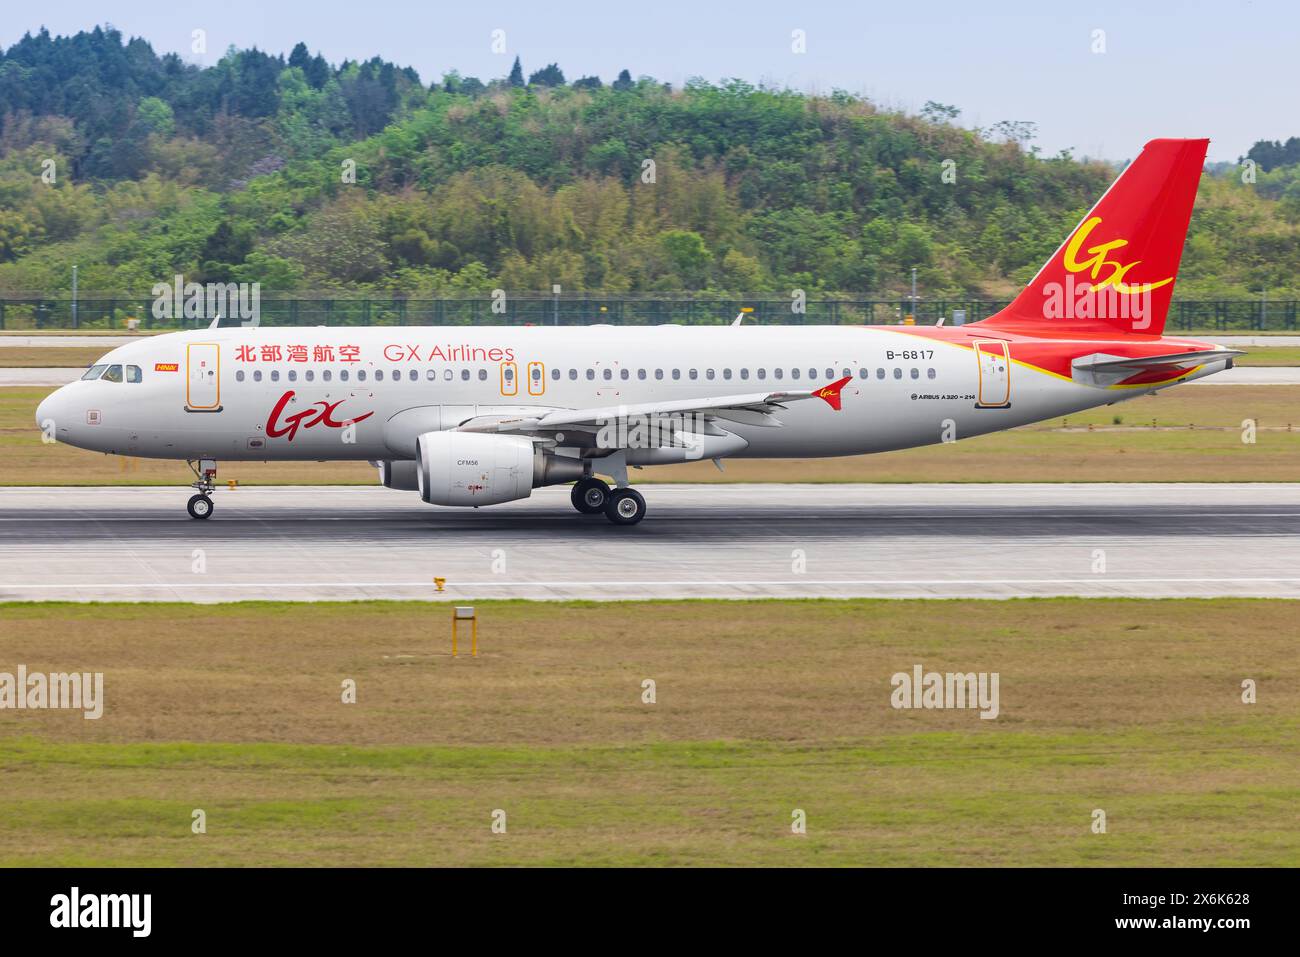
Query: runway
[(698, 541)]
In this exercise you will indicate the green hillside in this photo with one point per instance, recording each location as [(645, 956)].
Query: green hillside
[(241, 171)]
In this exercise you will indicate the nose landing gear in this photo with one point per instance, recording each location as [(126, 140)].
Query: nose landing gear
[(200, 505)]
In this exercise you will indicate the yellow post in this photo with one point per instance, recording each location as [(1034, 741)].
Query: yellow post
[(461, 613)]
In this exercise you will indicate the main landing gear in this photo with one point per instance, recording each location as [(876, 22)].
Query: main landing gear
[(200, 505), (622, 506)]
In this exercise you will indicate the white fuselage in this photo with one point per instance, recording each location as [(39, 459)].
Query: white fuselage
[(224, 393)]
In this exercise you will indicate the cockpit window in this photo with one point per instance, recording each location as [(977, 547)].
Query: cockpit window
[(132, 373), (94, 372), (114, 374)]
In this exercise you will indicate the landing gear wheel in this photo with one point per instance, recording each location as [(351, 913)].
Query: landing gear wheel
[(589, 496), (200, 506), (625, 507)]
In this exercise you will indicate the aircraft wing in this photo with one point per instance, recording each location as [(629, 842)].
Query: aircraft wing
[(754, 408)]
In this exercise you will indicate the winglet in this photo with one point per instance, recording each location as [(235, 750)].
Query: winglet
[(831, 393)]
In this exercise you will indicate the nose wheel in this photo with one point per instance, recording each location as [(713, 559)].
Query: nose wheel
[(200, 506)]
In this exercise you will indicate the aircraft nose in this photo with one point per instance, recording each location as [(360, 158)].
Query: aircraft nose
[(49, 410)]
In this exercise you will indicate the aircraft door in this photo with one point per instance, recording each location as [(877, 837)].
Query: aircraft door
[(994, 375), (203, 377), (536, 378), (509, 378)]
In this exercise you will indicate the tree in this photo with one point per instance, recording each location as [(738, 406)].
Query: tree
[(516, 74), (624, 81), (1019, 132), (587, 83), (549, 75), (939, 112)]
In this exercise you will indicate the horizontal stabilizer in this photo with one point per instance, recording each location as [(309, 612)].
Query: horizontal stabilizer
[(1101, 369)]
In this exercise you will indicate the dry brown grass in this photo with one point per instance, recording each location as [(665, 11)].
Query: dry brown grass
[(762, 707)]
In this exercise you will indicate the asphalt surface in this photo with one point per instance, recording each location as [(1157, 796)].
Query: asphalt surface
[(730, 541)]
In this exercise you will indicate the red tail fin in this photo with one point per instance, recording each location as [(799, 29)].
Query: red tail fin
[(1116, 271)]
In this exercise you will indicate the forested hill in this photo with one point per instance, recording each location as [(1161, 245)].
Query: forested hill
[(243, 171)]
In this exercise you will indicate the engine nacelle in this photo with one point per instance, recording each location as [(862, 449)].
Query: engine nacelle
[(472, 468), (399, 475)]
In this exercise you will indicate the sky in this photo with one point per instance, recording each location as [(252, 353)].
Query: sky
[(1098, 78)]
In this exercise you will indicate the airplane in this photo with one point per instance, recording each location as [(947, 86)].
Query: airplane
[(473, 416)]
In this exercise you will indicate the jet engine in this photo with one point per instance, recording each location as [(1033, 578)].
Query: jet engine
[(470, 468)]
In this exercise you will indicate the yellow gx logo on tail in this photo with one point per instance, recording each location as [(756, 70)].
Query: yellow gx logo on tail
[(1098, 261)]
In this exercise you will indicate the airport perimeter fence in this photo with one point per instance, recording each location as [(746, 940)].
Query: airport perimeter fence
[(100, 312)]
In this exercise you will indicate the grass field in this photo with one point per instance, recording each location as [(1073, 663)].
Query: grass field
[(1129, 450), (49, 357), (1128, 706)]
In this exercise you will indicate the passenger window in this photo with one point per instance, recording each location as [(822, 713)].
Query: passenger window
[(482, 375), (257, 375), (863, 374), (762, 373), (929, 373), (609, 374), (694, 375), (555, 375), (744, 373), (777, 373), (880, 373), (677, 374), (847, 372), (343, 375), (361, 375), (726, 373), (591, 374), (536, 374), (812, 373), (623, 374), (396, 375), (464, 375), (446, 375), (431, 375), (239, 376), (414, 375), (898, 373), (379, 375), (659, 373), (132, 373), (293, 375), (325, 376), (794, 373), (114, 374), (830, 373), (573, 375), (708, 373), (94, 372), (275, 375), (309, 375), (916, 373)]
